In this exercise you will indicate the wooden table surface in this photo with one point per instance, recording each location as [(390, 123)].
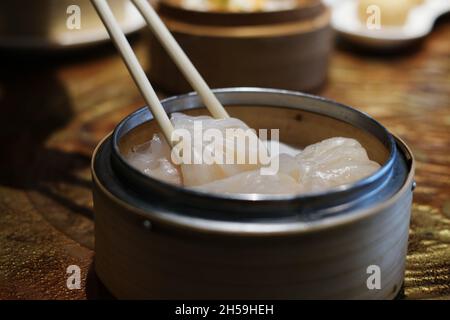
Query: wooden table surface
[(54, 110)]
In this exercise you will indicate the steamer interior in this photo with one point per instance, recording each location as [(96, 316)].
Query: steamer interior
[(298, 128)]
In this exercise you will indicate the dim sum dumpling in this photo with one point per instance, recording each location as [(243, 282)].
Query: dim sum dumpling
[(197, 171), (333, 162), (153, 159), (327, 164)]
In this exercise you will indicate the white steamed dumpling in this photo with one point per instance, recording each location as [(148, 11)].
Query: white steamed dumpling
[(333, 162), (198, 174), (326, 164)]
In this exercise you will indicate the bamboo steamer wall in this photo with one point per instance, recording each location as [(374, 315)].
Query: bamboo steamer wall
[(136, 263), (285, 50)]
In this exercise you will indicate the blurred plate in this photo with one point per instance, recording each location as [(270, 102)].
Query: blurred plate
[(68, 39), (419, 24)]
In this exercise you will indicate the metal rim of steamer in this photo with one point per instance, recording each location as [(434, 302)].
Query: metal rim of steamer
[(154, 199)]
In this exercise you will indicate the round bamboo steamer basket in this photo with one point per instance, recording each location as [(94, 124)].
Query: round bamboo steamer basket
[(286, 49), (154, 240)]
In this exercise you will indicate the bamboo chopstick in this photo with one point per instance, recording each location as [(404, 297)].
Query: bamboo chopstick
[(180, 58), (134, 67)]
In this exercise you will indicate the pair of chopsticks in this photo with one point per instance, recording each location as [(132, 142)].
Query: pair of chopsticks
[(175, 52)]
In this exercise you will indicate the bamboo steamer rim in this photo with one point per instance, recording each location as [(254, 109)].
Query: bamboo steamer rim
[(259, 230), (245, 228), (252, 31), (303, 11)]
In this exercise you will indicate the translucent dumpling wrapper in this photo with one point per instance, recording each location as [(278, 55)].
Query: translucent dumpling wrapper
[(201, 166), (153, 159), (327, 164), (252, 182), (333, 162)]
